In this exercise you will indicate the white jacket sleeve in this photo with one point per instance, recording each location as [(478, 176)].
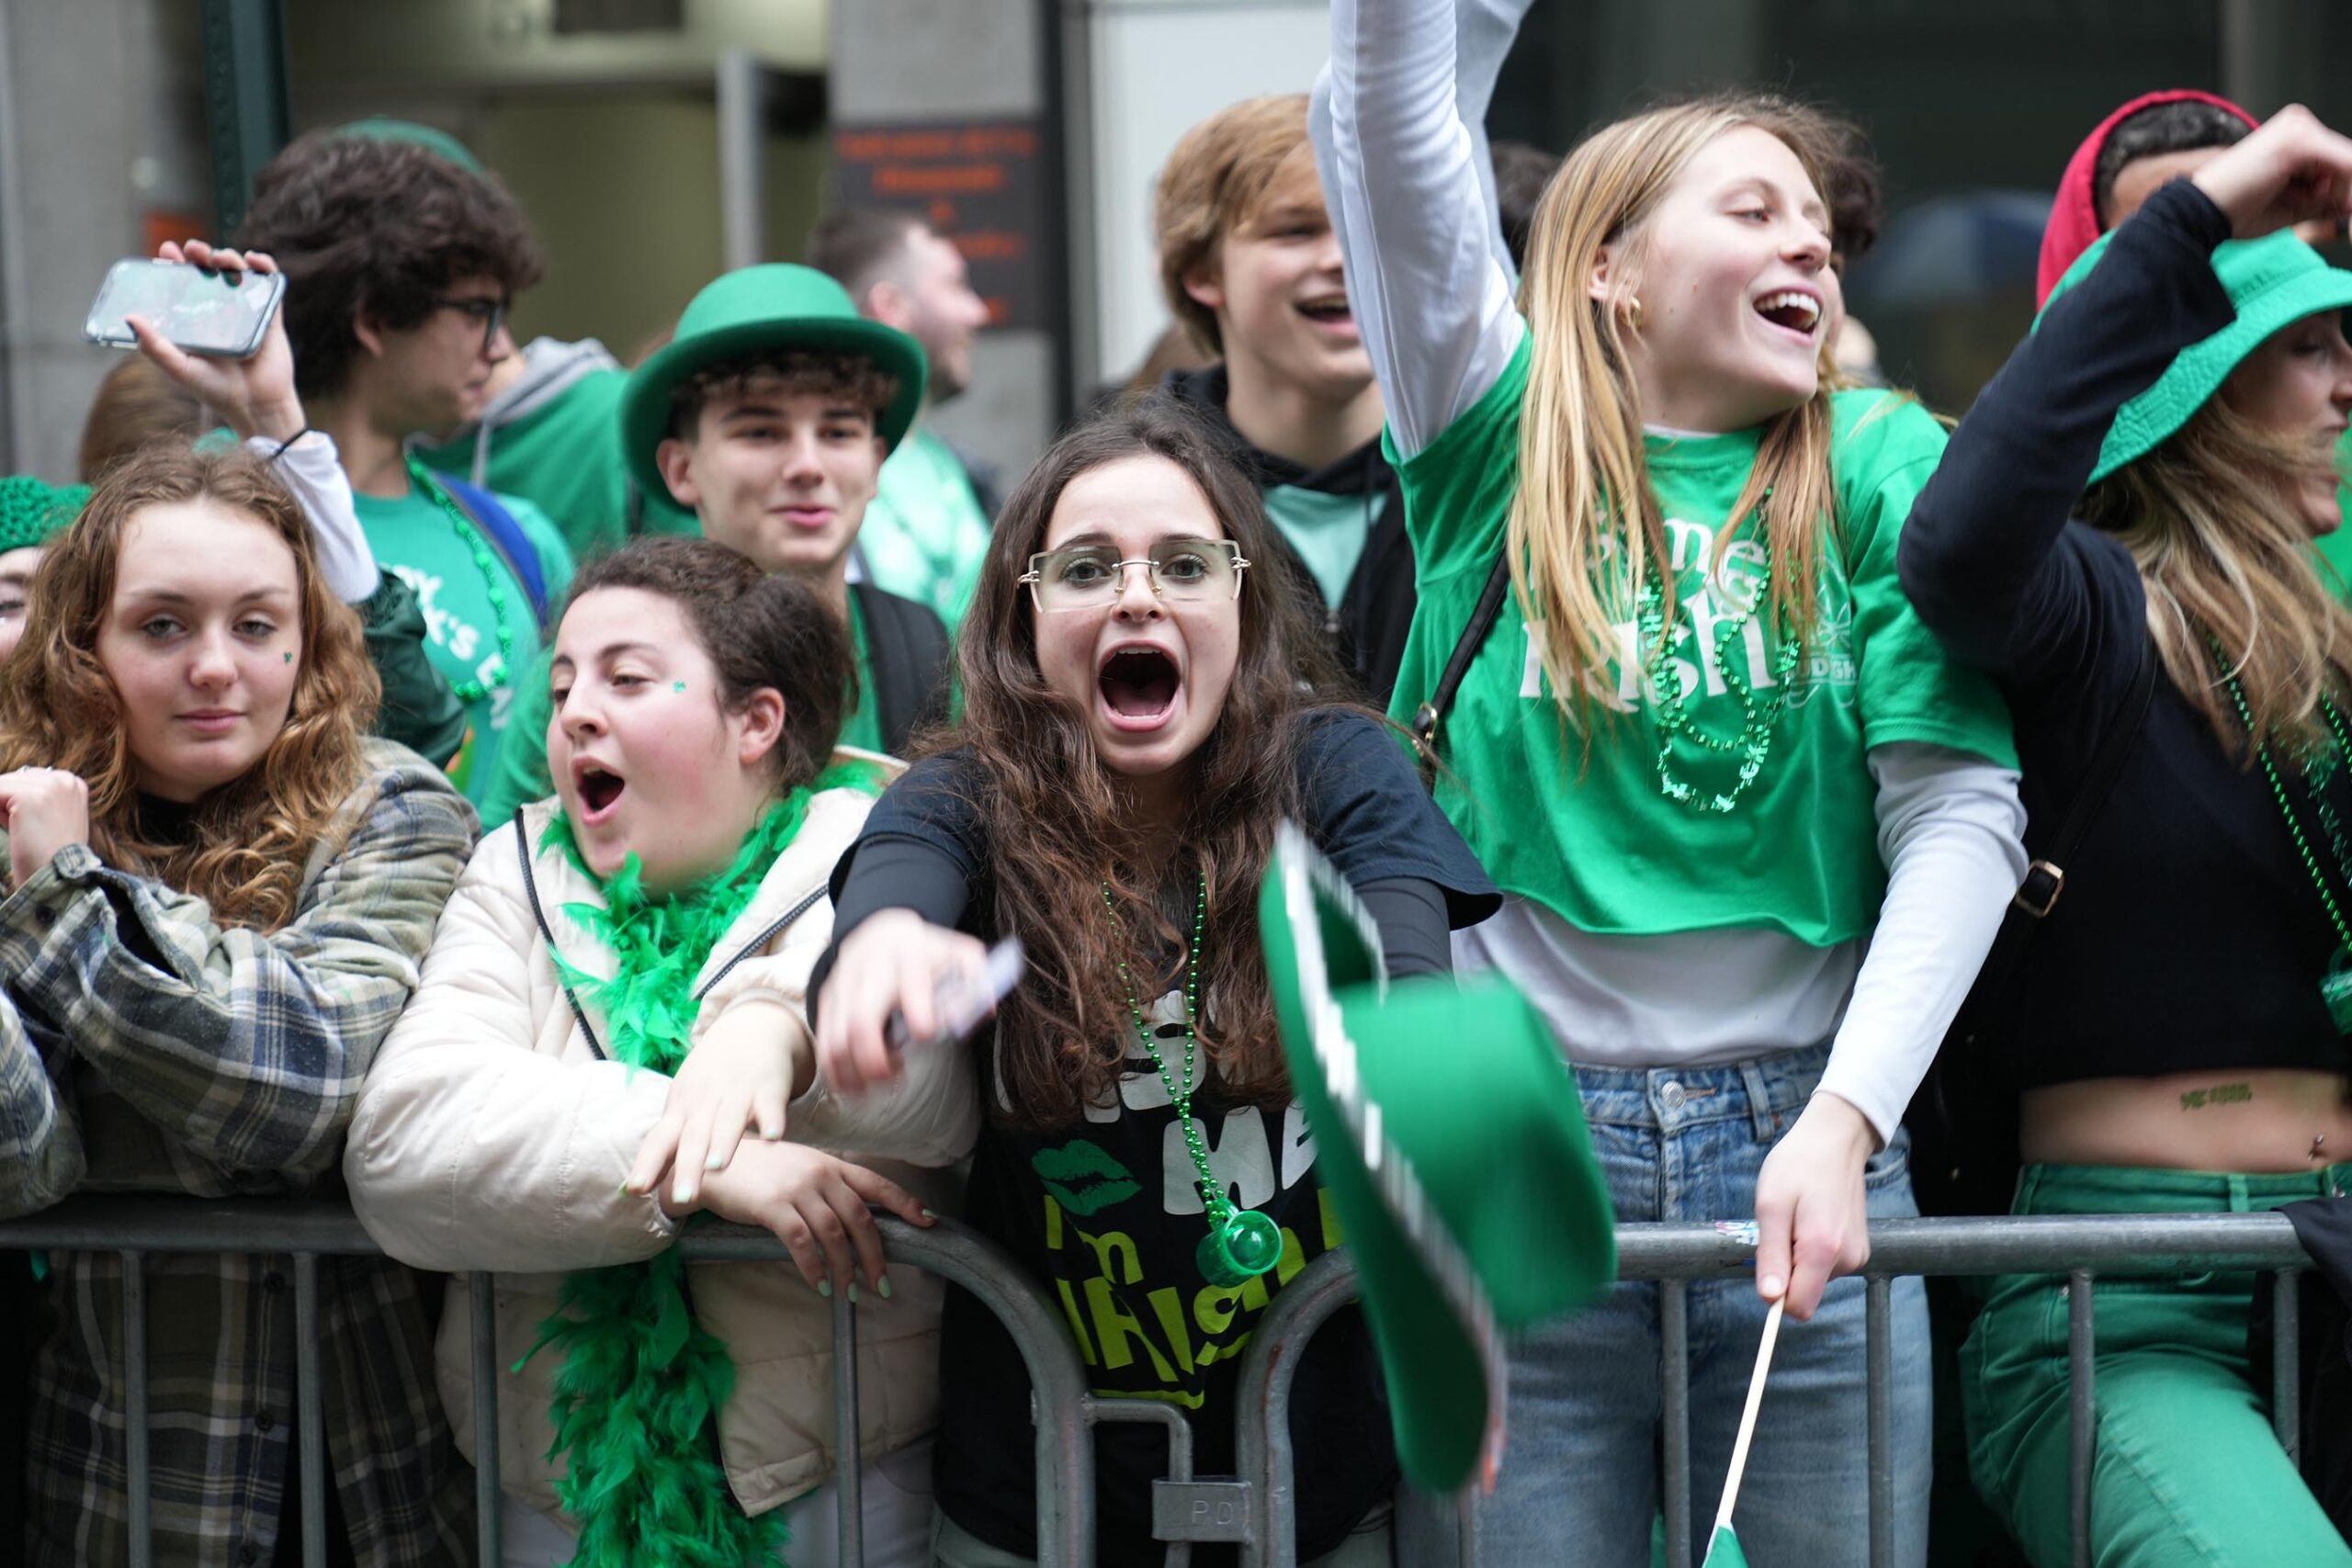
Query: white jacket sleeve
[(313, 469), (1952, 831), (1402, 177), (929, 1117), (471, 1150)]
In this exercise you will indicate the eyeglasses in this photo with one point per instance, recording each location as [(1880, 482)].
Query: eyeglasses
[(1090, 577), (490, 313)]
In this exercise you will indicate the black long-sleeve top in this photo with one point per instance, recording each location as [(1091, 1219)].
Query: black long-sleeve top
[(2189, 935)]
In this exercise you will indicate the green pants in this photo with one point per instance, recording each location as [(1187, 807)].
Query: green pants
[(2188, 1472)]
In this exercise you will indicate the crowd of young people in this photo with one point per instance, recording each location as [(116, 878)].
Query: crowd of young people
[(544, 801)]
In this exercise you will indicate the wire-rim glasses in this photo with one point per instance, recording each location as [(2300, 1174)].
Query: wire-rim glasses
[(1088, 577)]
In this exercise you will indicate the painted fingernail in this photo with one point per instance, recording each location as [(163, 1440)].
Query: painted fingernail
[(683, 1192), (883, 1285), (824, 1287), (715, 1163), (1770, 1285), (853, 1292), (929, 1215)]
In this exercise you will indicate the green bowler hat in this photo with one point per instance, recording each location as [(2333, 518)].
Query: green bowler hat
[(2274, 282), (776, 305), (1451, 1138)]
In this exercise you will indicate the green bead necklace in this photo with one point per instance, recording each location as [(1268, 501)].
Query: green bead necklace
[(470, 690), (2335, 988), (1242, 1243), (1754, 742)]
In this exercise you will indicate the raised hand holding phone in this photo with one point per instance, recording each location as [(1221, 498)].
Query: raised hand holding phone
[(255, 395)]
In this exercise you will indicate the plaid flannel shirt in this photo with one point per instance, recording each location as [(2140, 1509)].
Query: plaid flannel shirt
[(145, 1048)]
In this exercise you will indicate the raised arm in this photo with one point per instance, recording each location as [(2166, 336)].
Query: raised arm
[(1402, 177), (1983, 557)]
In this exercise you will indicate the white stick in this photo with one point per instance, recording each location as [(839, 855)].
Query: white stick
[(1747, 1416)]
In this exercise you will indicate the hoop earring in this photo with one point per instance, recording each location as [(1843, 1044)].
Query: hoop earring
[(1633, 312)]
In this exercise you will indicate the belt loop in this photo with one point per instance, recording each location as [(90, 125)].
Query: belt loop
[(1761, 1113), (2238, 1204)]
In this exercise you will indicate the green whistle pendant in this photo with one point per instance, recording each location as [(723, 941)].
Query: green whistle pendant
[(1242, 1243)]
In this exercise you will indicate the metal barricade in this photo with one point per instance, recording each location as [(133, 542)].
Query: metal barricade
[(1256, 1510)]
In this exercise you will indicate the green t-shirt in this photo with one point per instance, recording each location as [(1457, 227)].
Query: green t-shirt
[(565, 457), (415, 539), (523, 774), (924, 537), (1328, 531), (1601, 844)]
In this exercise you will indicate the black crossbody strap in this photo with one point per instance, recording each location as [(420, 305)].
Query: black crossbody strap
[(1432, 714), (2045, 879)]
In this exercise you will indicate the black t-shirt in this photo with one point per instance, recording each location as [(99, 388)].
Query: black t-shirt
[(1107, 1214)]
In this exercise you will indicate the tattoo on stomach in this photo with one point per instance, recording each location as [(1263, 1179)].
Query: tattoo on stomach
[(2219, 1094)]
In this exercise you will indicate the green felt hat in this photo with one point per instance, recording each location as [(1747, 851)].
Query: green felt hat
[(775, 306), (2274, 282), (30, 511), (1452, 1140), (433, 139)]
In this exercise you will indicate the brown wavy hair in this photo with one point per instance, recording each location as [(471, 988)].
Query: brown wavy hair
[(1054, 821), (251, 837), (2226, 558)]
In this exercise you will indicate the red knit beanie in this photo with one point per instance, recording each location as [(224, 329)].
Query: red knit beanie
[(2074, 218)]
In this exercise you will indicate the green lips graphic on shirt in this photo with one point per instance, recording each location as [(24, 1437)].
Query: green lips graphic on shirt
[(1082, 1178)]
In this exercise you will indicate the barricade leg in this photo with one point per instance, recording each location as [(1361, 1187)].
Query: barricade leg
[(1878, 1336), (481, 1297), (1674, 1382), (849, 1445), (1261, 1444), (138, 1476), (310, 1404), (2286, 1362), (2082, 1403)]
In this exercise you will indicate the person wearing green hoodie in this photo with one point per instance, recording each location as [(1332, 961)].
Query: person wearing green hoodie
[(400, 269), (30, 513), (770, 413)]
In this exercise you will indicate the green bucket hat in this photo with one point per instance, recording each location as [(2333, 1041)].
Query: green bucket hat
[(30, 511), (2274, 282), (775, 306), (1451, 1138)]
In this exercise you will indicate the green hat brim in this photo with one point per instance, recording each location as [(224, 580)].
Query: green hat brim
[(1451, 1139), (645, 405), (2273, 282)]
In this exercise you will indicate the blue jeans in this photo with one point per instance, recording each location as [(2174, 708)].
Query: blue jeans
[(1580, 1481)]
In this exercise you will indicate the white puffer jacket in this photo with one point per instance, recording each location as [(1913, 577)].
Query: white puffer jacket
[(491, 1135)]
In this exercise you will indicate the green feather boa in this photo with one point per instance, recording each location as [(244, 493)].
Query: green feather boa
[(643, 1382)]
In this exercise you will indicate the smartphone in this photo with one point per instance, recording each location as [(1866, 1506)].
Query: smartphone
[(221, 314)]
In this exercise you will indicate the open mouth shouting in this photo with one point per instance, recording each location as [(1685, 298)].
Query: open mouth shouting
[(600, 790), (1137, 683), (1792, 311)]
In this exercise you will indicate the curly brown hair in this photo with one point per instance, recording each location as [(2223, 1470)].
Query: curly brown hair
[(1054, 820), (251, 837), (851, 378), (759, 631), (367, 227)]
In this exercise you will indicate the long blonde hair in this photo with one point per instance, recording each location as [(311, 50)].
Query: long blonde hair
[(2225, 555), (1584, 484), (58, 708)]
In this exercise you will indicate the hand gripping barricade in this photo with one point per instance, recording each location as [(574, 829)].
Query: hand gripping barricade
[(1256, 1508)]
